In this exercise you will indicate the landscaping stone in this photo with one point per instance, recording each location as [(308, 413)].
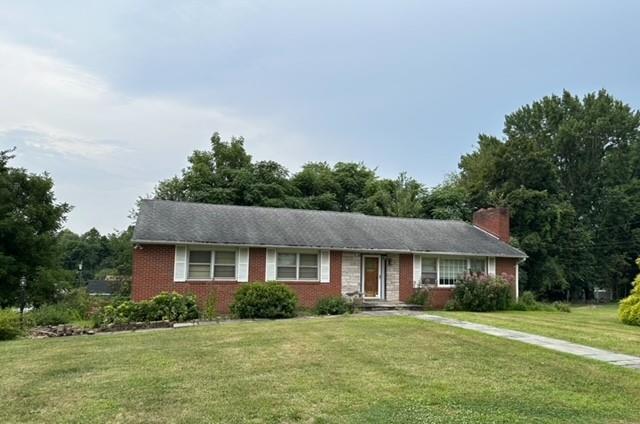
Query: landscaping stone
[(59, 331)]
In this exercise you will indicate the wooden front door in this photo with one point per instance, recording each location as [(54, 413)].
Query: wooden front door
[(371, 276)]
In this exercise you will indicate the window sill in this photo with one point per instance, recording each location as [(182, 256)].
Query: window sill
[(214, 281), (299, 281)]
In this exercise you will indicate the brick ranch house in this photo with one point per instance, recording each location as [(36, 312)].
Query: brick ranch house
[(203, 248)]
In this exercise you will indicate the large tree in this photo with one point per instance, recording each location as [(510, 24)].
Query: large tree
[(226, 174), (100, 255), (29, 220), (568, 168)]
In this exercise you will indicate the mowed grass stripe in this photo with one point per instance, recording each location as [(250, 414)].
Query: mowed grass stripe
[(593, 326), (348, 369)]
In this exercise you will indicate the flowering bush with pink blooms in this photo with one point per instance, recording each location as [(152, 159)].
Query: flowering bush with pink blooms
[(483, 293)]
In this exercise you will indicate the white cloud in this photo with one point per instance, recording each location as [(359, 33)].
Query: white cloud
[(52, 109), (49, 140)]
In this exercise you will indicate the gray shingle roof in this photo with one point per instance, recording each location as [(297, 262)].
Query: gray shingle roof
[(180, 222), (100, 287)]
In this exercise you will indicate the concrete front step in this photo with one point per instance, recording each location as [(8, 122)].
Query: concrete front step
[(381, 305)]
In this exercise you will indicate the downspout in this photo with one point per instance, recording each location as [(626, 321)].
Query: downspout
[(384, 278), (518, 277)]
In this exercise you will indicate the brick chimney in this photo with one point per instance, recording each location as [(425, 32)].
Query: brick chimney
[(494, 221)]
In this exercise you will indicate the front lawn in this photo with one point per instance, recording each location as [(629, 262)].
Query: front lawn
[(596, 326), (346, 369)]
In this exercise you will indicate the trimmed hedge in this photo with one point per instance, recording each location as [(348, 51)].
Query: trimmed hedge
[(334, 305), (264, 300)]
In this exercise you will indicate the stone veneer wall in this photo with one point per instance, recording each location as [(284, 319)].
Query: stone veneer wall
[(393, 278), (350, 272)]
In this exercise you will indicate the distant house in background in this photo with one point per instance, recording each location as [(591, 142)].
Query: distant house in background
[(203, 249), (101, 287)]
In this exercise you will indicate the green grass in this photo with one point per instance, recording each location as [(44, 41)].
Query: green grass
[(596, 326), (329, 370)]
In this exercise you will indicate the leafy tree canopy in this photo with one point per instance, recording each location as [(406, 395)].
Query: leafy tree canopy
[(568, 168), (29, 220), (226, 174)]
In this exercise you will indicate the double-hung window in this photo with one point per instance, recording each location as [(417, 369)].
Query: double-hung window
[(451, 270), (199, 264), (297, 266), (446, 271), (478, 265), (212, 264), (429, 270), (224, 264)]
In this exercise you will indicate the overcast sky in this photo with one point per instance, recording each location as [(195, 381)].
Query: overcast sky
[(110, 97)]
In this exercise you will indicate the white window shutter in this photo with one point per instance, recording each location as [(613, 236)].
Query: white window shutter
[(271, 265), (491, 265), (243, 265), (417, 270), (180, 264), (325, 266)]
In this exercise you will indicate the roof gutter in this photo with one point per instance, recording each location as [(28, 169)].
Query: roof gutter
[(343, 249)]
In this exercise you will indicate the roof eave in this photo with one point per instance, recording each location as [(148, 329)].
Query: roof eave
[(522, 255)]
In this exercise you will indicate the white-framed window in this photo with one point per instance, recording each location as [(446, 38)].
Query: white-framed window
[(207, 264), (429, 270), (478, 265), (199, 265), (451, 269), (224, 264), (445, 271), (297, 266)]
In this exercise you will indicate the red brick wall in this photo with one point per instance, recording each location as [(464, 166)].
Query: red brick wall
[(309, 293), (439, 296), (153, 273), (257, 264), (507, 266)]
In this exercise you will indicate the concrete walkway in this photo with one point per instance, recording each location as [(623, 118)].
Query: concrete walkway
[(626, 361)]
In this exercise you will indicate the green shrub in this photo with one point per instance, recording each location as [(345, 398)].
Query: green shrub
[(334, 305), (172, 307), (527, 302), (561, 306), (419, 297), (9, 324), (163, 307), (528, 299), (264, 300), (482, 293), (53, 315), (210, 309), (78, 300), (629, 309), (450, 305)]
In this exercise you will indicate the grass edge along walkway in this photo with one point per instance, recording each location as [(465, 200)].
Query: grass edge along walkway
[(619, 359)]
